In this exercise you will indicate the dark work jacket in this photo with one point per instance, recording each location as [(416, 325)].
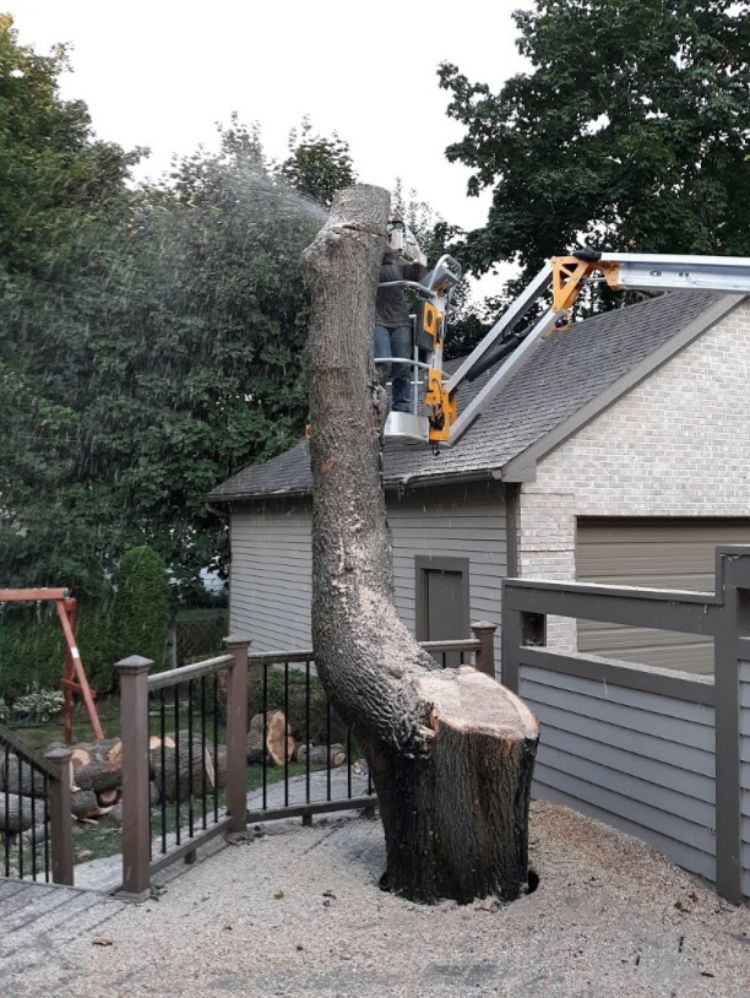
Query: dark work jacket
[(391, 304)]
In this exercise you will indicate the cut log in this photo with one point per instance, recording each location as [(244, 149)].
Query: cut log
[(451, 752), (36, 834), (16, 813), (107, 751), (80, 756), (279, 741), (18, 777), (98, 776), (320, 755), (169, 777), (106, 798), (83, 803)]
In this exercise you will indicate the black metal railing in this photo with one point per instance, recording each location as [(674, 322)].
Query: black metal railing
[(35, 818), (311, 763), (236, 739)]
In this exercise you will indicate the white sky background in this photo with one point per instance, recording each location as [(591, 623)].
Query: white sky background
[(162, 73)]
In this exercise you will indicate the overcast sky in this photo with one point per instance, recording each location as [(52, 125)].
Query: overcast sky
[(162, 73)]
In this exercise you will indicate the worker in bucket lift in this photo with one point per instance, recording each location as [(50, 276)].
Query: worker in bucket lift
[(402, 261)]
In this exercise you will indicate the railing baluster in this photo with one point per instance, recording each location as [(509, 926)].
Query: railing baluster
[(150, 811), (349, 762), (264, 707), (6, 819), (203, 754), (162, 775), (328, 752), (20, 809), (33, 824), (45, 791), (286, 734), (308, 740), (190, 758), (216, 745), (177, 787)]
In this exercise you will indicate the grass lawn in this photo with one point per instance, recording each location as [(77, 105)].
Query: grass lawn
[(103, 837)]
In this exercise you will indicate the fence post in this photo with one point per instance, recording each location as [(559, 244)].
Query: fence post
[(136, 873), (734, 573), (60, 816), (484, 632), (511, 632), (237, 734)]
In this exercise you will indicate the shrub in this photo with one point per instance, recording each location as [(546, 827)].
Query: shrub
[(141, 606)]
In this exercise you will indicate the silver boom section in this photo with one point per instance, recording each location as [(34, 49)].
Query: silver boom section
[(642, 271), (661, 273), (517, 359)]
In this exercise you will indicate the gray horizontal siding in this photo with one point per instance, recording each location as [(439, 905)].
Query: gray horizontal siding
[(270, 575), (270, 580), (637, 760), (745, 775)]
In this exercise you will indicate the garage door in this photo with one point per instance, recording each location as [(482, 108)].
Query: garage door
[(658, 553)]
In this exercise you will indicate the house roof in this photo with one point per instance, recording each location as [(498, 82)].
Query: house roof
[(572, 377)]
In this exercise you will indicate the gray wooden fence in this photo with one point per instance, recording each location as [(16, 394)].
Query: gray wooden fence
[(661, 754)]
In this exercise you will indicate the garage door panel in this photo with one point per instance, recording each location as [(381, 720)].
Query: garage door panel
[(655, 553)]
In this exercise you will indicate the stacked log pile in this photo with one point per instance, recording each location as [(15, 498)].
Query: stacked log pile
[(97, 771)]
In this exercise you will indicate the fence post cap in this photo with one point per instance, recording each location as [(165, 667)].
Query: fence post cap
[(236, 641), (133, 664), (60, 754), (483, 625)]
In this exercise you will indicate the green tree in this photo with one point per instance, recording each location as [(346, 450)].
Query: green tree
[(60, 189), (631, 130), (317, 166), (161, 354), (141, 606)]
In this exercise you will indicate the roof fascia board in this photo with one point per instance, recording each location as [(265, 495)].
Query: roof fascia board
[(519, 467)]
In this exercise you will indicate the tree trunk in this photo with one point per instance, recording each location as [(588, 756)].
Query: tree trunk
[(451, 752)]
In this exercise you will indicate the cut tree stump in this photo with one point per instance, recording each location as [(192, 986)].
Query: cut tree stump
[(279, 743), (451, 752)]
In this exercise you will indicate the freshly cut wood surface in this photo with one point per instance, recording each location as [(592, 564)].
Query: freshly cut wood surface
[(279, 741)]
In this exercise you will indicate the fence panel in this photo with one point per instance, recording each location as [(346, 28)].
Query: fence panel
[(661, 754), (745, 763), (638, 760)]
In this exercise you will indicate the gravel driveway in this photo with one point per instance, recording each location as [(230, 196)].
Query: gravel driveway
[(296, 911)]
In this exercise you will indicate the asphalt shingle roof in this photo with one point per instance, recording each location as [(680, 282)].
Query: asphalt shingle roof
[(568, 371)]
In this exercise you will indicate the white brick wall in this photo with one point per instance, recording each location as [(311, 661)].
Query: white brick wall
[(677, 444)]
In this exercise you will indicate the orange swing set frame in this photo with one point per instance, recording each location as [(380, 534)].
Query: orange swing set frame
[(74, 678)]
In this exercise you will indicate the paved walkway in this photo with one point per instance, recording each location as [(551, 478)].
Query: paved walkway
[(297, 912), (105, 874), (39, 922)]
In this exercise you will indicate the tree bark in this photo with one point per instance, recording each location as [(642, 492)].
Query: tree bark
[(321, 755), (451, 752), (168, 777)]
